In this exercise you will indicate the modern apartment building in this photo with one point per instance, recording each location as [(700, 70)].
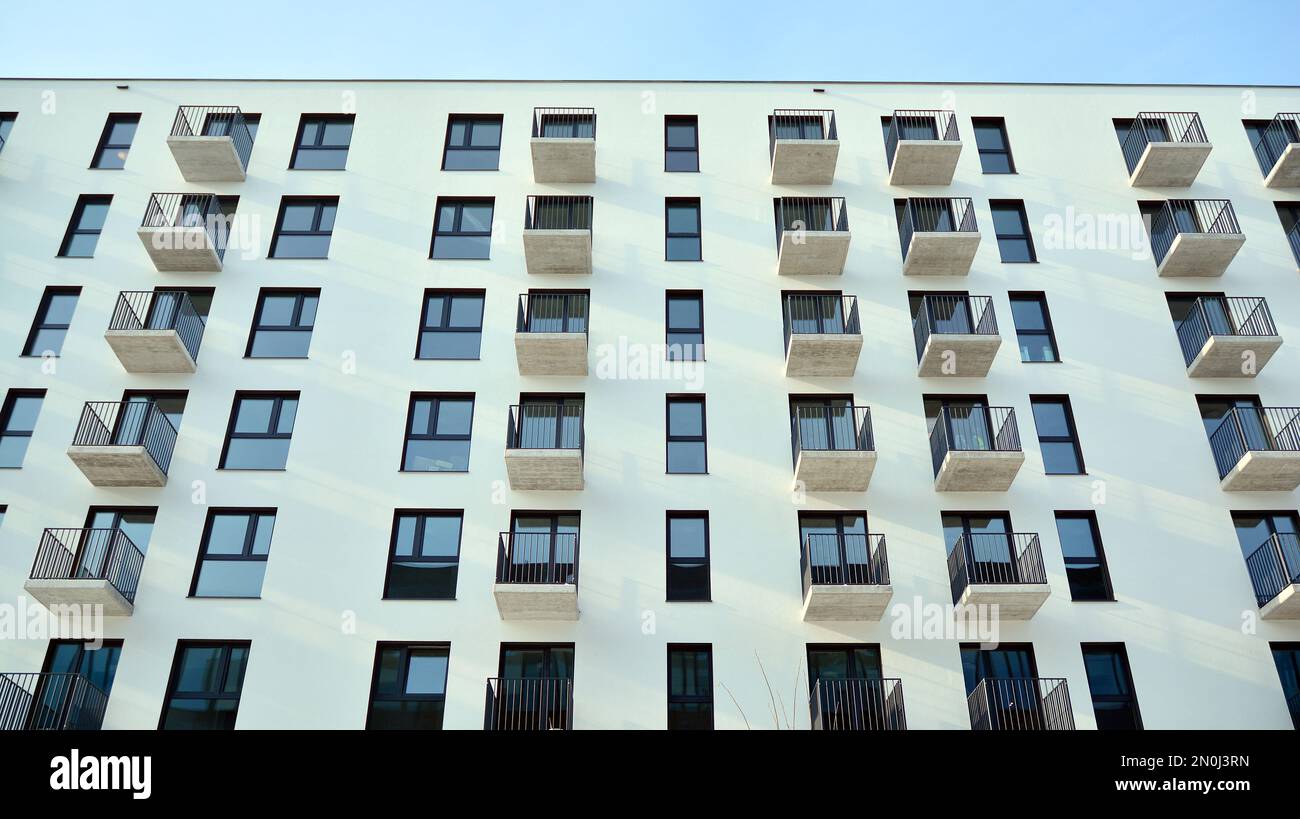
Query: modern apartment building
[(520, 405)]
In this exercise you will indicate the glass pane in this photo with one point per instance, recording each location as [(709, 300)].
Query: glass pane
[(1028, 314), (227, 534), (288, 412), (405, 538), (988, 135), (252, 453), (450, 345), (476, 218), (59, 308), (461, 247), (995, 163), (441, 536), (298, 216), (200, 715), (1060, 458), (47, 342), (466, 311), (680, 249), (262, 534), (277, 310), (280, 344), (426, 672), (421, 580), (437, 456), (684, 313), (230, 578), (685, 418), (486, 133), (686, 536), (1015, 250), (682, 161), (317, 159), (686, 457), (337, 133), (12, 450), (1076, 537), (680, 135), (302, 247), (411, 715), (254, 414), (1050, 419), (454, 417), (688, 581), (200, 670), (81, 245), (683, 219), (471, 160)]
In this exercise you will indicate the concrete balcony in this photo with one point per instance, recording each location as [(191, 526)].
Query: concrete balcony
[(86, 567), (557, 235), (812, 236), (923, 147), (1226, 337), (804, 146), (551, 334), (211, 143), (845, 578), (1257, 449), (823, 335), (1165, 149), (939, 236), (1195, 237), (1003, 570), (956, 336), (123, 443), (564, 145), (1274, 570), (975, 449), (834, 450), (184, 232), (1278, 152), (155, 331), (537, 576), (544, 444)]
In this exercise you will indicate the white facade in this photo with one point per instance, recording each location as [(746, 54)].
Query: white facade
[(1185, 610)]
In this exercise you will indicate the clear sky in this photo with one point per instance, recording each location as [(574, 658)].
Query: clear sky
[(1140, 41)]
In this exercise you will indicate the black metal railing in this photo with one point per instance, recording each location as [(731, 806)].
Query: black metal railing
[(216, 121), (1293, 705), (564, 123), (1283, 131), (800, 123), (973, 429), (160, 310), (532, 704), (830, 429), (952, 315), (189, 210), (128, 423), (552, 313), (820, 314), (995, 559), (1244, 316), (1163, 126), (1021, 704), (1254, 429), (1190, 216), (46, 701), (537, 557), (1293, 237), (1274, 566), (90, 554), (936, 215), (800, 214), (843, 560), (558, 213), (544, 426), (857, 704), (919, 124)]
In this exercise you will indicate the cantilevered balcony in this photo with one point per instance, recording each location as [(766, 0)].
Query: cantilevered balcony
[(564, 144), (1165, 149), (845, 577), (1003, 570), (537, 576), (155, 331), (1278, 152), (1195, 237), (211, 143), (185, 232), (533, 704), (975, 449), (1020, 704), (922, 147), (551, 333), (1227, 337), (544, 444), (804, 146), (939, 236), (956, 336), (857, 704), (123, 443), (1275, 573), (812, 235), (1257, 449), (833, 447), (557, 235), (823, 335), (86, 567), (47, 701)]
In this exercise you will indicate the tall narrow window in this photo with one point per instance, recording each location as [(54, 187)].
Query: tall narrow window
[(1289, 214), (53, 318), (1111, 683), (7, 120), (1085, 562), (282, 324), (322, 143), (688, 557), (206, 681), (424, 558), (304, 227), (473, 142), (1033, 327), (684, 321), (682, 219), (17, 423), (1012, 228), (115, 142), (690, 687), (409, 690), (261, 426), (681, 144), (686, 436), (85, 226), (232, 556), (1286, 656), (994, 148), (462, 229), (438, 433), (1057, 437), (451, 324)]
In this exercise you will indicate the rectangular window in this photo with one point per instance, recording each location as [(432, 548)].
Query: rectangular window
[(282, 323), (1286, 656), (424, 556), (686, 436), (304, 227), (451, 325), (684, 322), (682, 222), (409, 690), (688, 557), (261, 426), (1289, 214), (1057, 437), (994, 148), (690, 687), (1012, 229), (85, 226), (232, 556), (438, 433), (322, 143), (1111, 683), (543, 548), (1085, 562), (681, 144), (206, 680), (462, 229), (53, 318), (1033, 327), (7, 121), (115, 142), (473, 142), (17, 423)]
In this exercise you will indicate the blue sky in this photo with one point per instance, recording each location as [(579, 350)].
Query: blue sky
[(1141, 41)]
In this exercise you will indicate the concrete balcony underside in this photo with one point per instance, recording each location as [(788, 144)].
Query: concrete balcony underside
[(834, 470), (813, 252), (1169, 164), (117, 465), (557, 252), (1015, 601), (846, 603), (804, 161), (551, 353), (536, 601), (1286, 606), (150, 351), (544, 469), (958, 355), (978, 470), (823, 354), (181, 249), (933, 253), (564, 159), (1286, 171), (207, 158), (1227, 356), (79, 592), (1200, 254), (1264, 471), (924, 162)]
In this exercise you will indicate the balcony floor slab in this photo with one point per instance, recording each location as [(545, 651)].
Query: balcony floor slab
[(79, 592), (117, 465), (150, 351), (1286, 171), (978, 470), (804, 161), (551, 353), (1169, 164), (1227, 356), (1286, 606), (1264, 471), (823, 354), (835, 470), (207, 158), (536, 601), (1015, 601), (958, 355), (1200, 254), (544, 469), (846, 603), (181, 249), (924, 162), (934, 253), (813, 252), (559, 159), (557, 252)]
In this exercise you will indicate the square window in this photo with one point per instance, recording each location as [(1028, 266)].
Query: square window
[(304, 228), (323, 141), (261, 427), (424, 557), (473, 142), (438, 433)]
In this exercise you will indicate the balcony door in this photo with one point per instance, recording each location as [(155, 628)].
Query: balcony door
[(1213, 307), (1012, 697), (557, 311), (945, 312), (543, 546), (550, 422), (990, 555), (135, 424), (824, 423), (166, 303), (95, 549), (844, 683), (57, 699), (1247, 426), (819, 313), (536, 680), (836, 546), (1254, 529), (915, 126), (966, 422)]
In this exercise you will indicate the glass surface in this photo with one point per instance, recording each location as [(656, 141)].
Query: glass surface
[(421, 580), (686, 457), (410, 715), (437, 456), (685, 418), (461, 247), (230, 578), (200, 715), (1076, 537), (254, 453), (1050, 419), (434, 345), (227, 534), (687, 536), (254, 414), (683, 249), (684, 312), (23, 411), (280, 344), (302, 247), (454, 417), (318, 159), (1060, 458)]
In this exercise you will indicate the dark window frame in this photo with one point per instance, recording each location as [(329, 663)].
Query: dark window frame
[(682, 119), (459, 203), (421, 516), (1120, 651), (1072, 438), (684, 699), (300, 294), (74, 223), (1050, 330), (303, 121), (1095, 527), (279, 397), (220, 693), (706, 561), (405, 654), (39, 322), (684, 201), (669, 329), (320, 203), (470, 120), (670, 438), (1001, 124), (254, 515), (6, 415), (432, 435), (1027, 236), (448, 295), (104, 145)]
